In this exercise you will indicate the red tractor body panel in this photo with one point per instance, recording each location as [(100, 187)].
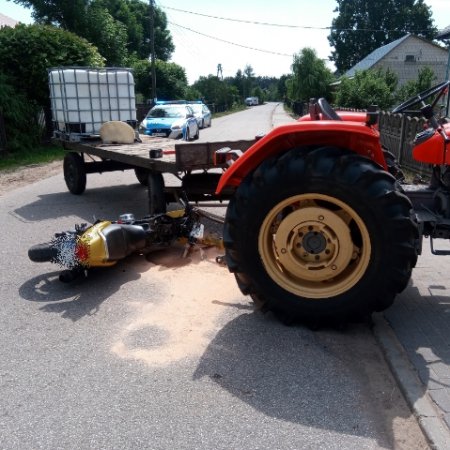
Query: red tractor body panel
[(353, 135), (347, 116), (435, 150)]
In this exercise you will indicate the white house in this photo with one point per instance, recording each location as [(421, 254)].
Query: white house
[(405, 57)]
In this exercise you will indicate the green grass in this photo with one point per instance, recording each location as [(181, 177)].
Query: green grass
[(229, 111), (38, 155)]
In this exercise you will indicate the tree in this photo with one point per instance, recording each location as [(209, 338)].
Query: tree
[(135, 15), (171, 80), (238, 81), (425, 78), (28, 51), (258, 92), (310, 77), (367, 87), (109, 35), (223, 95), (248, 80), (362, 26), (130, 16), (282, 86)]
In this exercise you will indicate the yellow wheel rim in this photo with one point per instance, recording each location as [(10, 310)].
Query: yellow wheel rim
[(314, 246)]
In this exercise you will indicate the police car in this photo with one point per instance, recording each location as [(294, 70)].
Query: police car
[(174, 119)]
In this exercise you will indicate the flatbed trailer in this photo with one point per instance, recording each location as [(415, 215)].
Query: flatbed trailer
[(191, 162)]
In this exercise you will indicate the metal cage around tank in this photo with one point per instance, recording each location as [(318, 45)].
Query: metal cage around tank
[(83, 98)]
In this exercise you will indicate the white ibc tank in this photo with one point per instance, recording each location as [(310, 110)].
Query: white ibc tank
[(82, 99)]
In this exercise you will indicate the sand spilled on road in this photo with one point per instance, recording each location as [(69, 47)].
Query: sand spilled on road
[(180, 324)]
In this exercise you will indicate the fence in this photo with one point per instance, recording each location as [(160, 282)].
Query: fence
[(397, 133)]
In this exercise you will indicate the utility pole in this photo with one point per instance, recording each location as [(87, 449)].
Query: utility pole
[(219, 71), (152, 42)]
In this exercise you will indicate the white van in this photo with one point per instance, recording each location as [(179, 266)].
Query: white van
[(252, 101)]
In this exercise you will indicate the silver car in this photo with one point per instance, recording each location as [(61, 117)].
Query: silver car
[(202, 114)]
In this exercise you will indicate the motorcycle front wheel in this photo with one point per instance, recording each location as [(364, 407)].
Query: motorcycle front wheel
[(42, 252)]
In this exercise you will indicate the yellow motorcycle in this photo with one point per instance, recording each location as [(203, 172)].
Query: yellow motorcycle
[(104, 243)]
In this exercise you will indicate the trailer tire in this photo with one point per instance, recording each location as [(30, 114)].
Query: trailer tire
[(141, 175), (42, 252), (75, 173), (156, 193), (320, 235)]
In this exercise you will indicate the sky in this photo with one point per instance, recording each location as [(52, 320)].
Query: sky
[(260, 33)]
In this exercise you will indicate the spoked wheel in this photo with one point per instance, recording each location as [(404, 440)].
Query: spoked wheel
[(320, 235), (75, 173)]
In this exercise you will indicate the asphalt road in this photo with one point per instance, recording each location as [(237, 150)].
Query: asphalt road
[(171, 355)]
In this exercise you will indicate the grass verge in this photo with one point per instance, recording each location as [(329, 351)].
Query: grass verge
[(38, 155), (229, 111)]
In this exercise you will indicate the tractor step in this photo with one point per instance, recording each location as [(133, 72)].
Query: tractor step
[(438, 252)]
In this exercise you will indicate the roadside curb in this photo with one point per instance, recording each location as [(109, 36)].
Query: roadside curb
[(280, 116), (412, 388)]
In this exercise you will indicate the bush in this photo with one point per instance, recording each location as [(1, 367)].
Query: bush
[(367, 87), (26, 54), (425, 79), (20, 117)]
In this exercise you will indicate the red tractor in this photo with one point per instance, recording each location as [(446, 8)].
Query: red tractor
[(318, 229)]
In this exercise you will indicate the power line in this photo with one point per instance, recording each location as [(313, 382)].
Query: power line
[(305, 27), (229, 42), (245, 21)]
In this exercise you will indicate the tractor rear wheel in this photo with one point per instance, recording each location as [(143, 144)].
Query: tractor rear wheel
[(320, 235)]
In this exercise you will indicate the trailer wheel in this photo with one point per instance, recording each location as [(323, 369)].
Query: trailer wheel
[(74, 173), (320, 235), (156, 193), (141, 175)]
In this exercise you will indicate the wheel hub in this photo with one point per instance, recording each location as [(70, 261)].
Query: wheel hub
[(314, 242), (314, 245)]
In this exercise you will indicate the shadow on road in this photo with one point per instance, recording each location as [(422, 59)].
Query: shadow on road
[(420, 318), (103, 203), (82, 297), (353, 395)]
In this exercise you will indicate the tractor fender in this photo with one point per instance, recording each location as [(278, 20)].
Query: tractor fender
[(356, 136)]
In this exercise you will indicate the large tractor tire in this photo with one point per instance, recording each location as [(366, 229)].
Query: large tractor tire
[(320, 235)]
